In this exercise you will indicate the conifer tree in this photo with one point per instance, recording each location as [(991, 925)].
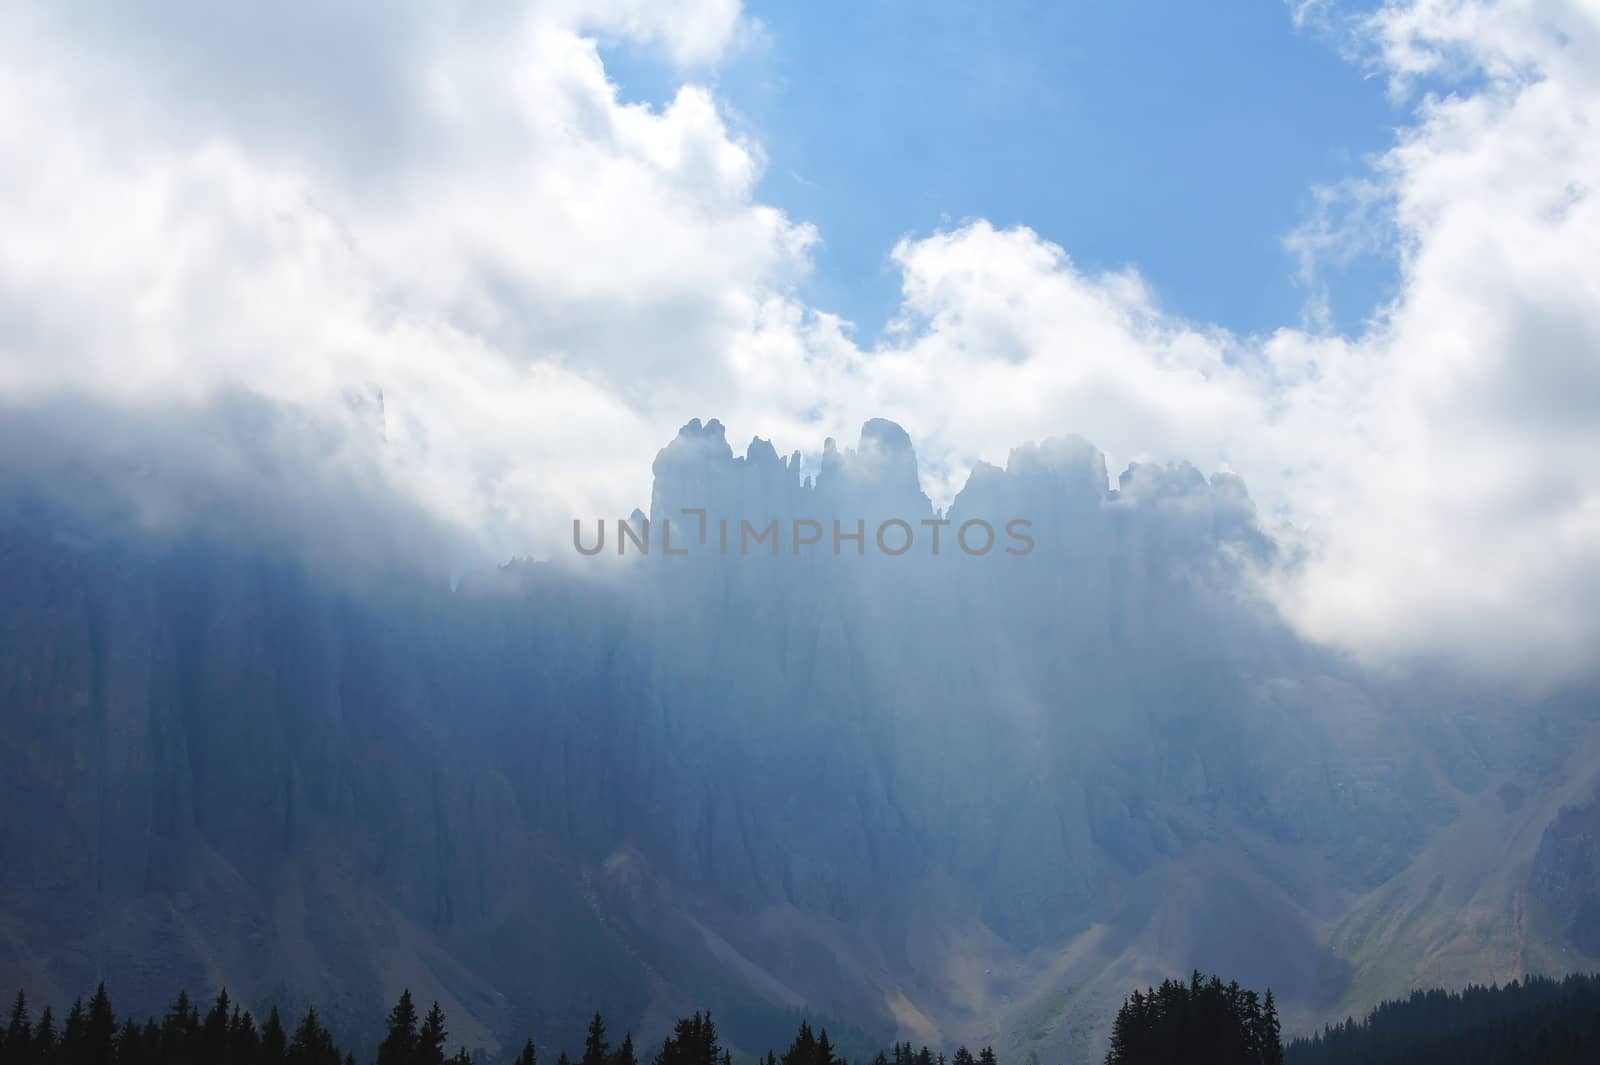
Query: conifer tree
[(178, 1032), (130, 1044), (72, 1033), (693, 1042), (274, 1041), (214, 1030), (1271, 1033), (803, 1051), (244, 1042), (986, 1056), (1120, 1050), (99, 1030), (430, 1040), (624, 1054), (312, 1043), (45, 1039), (19, 1032), (529, 1055), (964, 1057), (401, 1041), (824, 1049), (150, 1042), (596, 1050)]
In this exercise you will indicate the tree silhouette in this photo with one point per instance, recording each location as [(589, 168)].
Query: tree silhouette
[(19, 1031), (596, 1050), (400, 1042), (430, 1040), (99, 1030), (312, 1043), (625, 1054), (274, 1041)]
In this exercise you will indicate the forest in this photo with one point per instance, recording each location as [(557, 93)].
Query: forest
[(226, 1033), (1202, 1022), (1537, 1021)]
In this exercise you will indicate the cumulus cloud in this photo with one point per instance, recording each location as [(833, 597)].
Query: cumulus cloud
[(455, 211), (449, 205)]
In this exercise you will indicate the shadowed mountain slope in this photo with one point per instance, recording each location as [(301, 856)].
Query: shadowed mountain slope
[(937, 797)]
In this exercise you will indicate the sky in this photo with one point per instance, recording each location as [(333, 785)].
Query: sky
[(1184, 139), (482, 259)]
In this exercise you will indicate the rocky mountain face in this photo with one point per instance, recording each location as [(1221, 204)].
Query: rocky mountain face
[(955, 796), (1566, 875)]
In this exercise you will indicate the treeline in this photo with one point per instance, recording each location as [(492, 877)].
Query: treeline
[(227, 1034), (92, 1035), (1537, 1021), (1202, 1022)]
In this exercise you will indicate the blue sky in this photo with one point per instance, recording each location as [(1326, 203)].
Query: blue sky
[(1183, 139)]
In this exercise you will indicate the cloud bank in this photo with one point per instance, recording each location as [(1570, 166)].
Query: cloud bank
[(435, 233)]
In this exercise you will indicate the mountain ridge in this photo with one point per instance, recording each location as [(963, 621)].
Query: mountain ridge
[(958, 799)]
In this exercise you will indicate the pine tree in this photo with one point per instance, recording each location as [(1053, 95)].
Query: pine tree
[(803, 1050), (45, 1039), (430, 1040), (529, 1055), (130, 1044), (824, 1049), (461, 1058), (625, 1054), (964, 1057), (99, 1030), (1271, 1033), (72, 1034), (401, 1041), (312, 1044), (244, 1042), (179, 1032), (274, 1041), (214, 1030), (1120, 1051), (986, 1056), (150, 1042), (596, 1050), (19, 1032), (693, 1042)]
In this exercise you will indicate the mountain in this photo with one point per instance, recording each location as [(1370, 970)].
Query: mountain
[(965, 796)]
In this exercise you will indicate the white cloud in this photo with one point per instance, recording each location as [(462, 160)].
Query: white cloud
[(450, 204), (538, 278)]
